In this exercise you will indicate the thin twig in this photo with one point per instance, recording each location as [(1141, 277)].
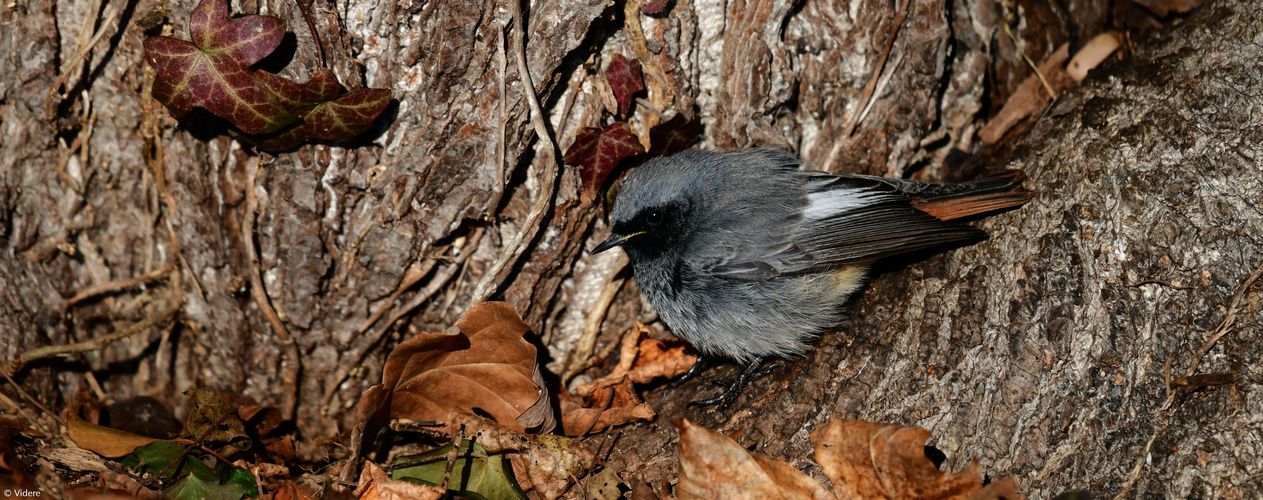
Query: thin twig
[(575, 85), (1125, 491), (186, 450), (435, 284), (869, 87), (259, 294), (659, 98), (54, 98), (34, 402), (320, 51), (1226, 325), (94, 344), (1159, 282), (1189, 380), (1010, 14), (582, 353), (415, 272), (502, 181), (119, 285), (548, 181), (16, 407), (439, 280), (452, 455)]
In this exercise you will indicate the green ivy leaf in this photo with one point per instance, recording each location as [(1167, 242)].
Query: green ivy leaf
[(483, 479)]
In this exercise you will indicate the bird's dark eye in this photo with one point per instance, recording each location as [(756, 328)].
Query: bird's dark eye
[(654, 218)]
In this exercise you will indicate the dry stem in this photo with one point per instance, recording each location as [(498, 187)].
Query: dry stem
[(290, 377), (548, 181)]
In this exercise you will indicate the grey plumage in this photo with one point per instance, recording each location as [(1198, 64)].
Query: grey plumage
[(747, 256)]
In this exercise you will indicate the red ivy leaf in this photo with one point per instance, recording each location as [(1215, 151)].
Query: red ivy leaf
[(625, 79), (673, 136), (598, 151), (324, 117), (654, 6), (213, 71)]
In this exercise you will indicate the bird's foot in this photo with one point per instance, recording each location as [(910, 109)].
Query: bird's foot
[(703, 362), (753, 371)]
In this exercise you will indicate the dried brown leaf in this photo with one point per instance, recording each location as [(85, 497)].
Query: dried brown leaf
[(714, 466), (1030, 97), (376, 484), (611, 400), (642, 359), (879, 461), (216, 422), (484, 365), (288, 490), (607, 407), (105, 441)]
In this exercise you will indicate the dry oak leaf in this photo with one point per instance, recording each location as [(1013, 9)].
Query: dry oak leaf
[(376, 484), (611, 400), (879, 461), (641, 359), (712, 465), (609, 406)]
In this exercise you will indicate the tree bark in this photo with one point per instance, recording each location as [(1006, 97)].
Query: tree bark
[(1040, 353), (1027, 352)]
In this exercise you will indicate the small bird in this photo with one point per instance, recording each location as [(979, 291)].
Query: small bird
[(749, 257)]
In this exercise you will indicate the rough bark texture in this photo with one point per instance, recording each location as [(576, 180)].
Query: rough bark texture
[(1027, 352), (1040, 353)]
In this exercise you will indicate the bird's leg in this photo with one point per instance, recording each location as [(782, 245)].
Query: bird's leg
[(703, 362), (752, 372)]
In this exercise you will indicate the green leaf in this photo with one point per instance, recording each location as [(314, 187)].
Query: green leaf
[(241, 477), (195, 487), (154, 457), (484, 479), (196, 479)]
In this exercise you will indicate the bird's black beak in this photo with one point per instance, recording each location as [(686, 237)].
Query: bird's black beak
[(611, 242)]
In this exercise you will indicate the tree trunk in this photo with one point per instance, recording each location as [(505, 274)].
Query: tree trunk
[(1040, 353), (1030, 352)]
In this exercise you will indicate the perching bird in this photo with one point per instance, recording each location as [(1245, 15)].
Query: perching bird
[(748, 257)]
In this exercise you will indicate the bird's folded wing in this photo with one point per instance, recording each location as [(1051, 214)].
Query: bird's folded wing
[(847, 219)]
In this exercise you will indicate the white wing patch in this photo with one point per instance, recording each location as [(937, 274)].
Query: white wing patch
[(825, 204)]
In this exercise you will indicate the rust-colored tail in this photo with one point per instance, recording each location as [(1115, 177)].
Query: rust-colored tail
[(984, 195)]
